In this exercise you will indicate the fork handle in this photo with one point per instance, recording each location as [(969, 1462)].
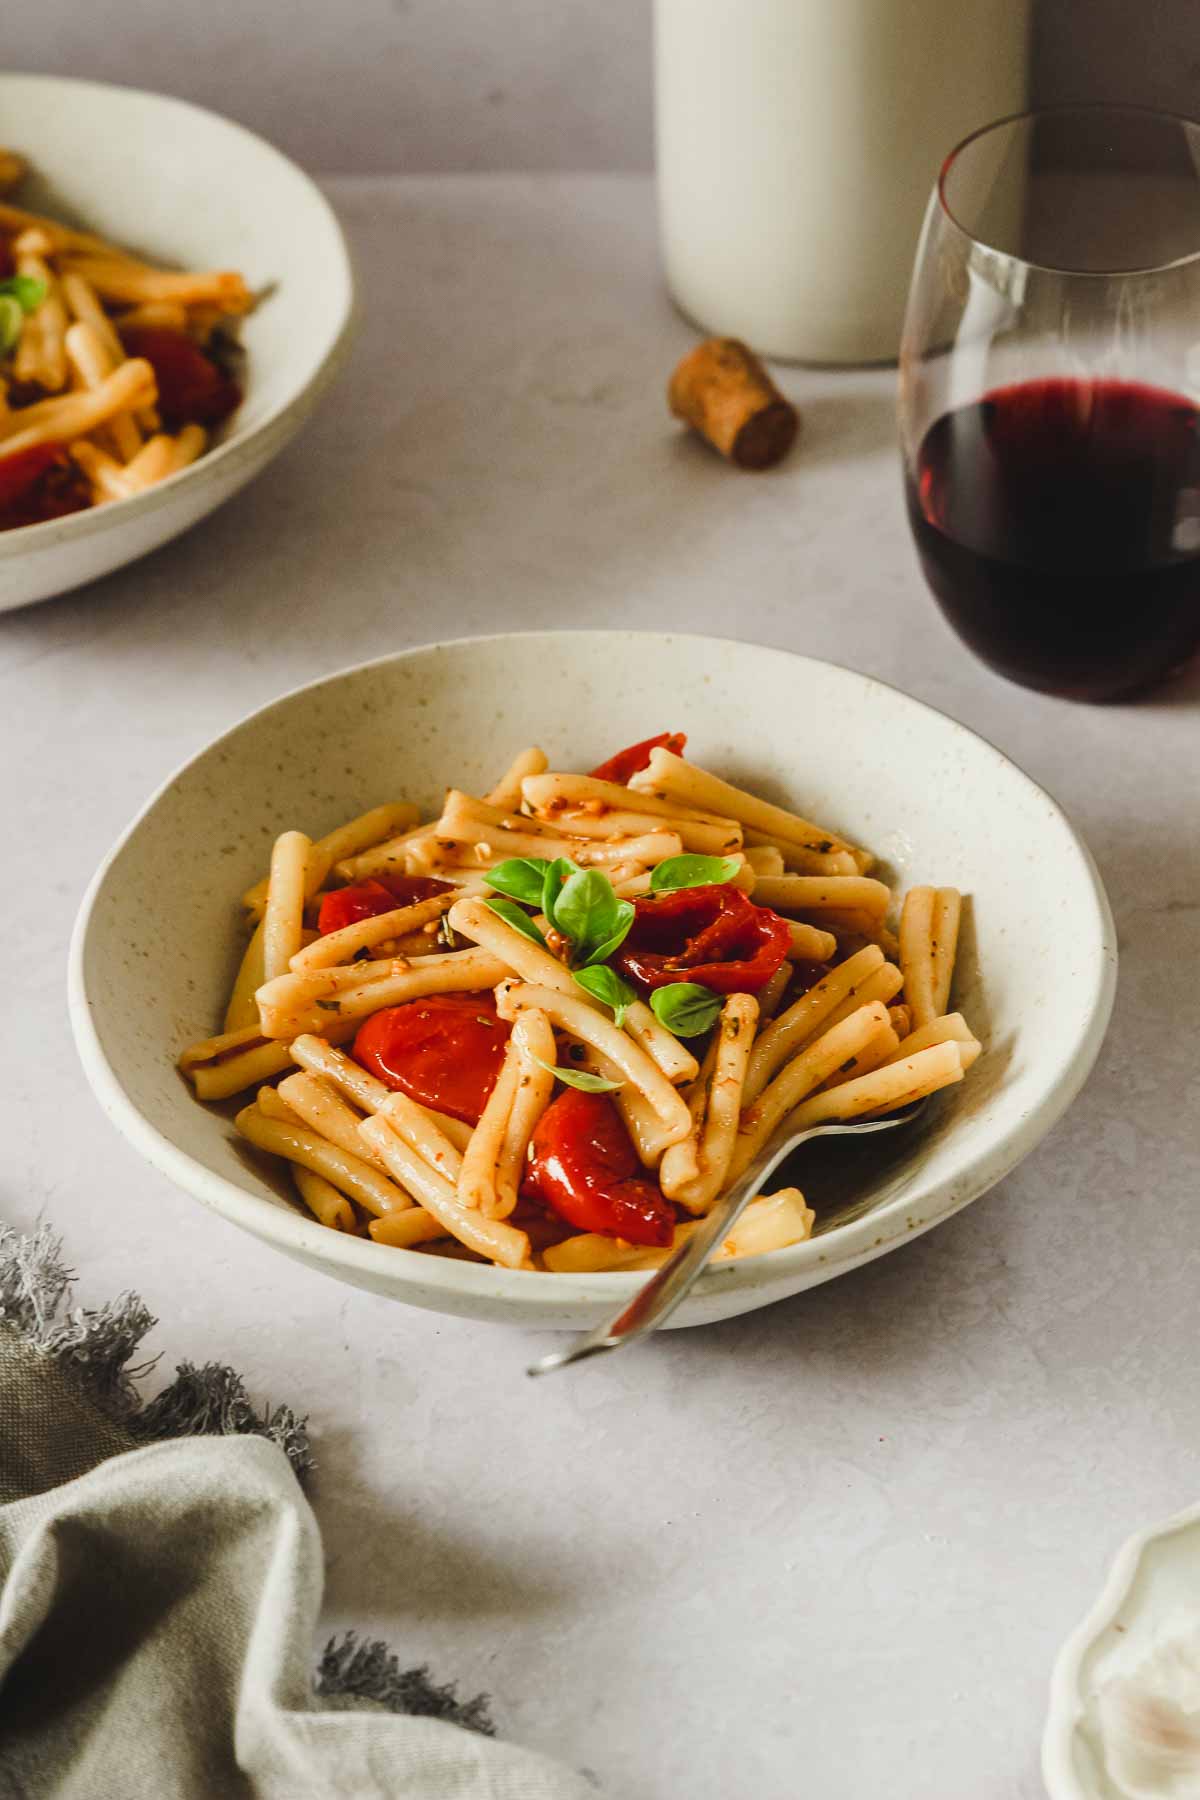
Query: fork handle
[(657, 1299), (660, 1296)]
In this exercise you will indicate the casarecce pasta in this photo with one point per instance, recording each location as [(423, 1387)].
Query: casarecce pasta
[(548, 1028), (113, 373)]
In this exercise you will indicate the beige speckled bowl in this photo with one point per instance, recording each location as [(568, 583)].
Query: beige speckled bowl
[(936, 803), (183, 186)]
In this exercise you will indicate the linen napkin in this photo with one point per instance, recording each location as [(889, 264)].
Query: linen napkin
[(158, 1599)]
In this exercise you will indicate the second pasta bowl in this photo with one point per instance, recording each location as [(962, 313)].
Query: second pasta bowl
[(186, 190), (942, 807)]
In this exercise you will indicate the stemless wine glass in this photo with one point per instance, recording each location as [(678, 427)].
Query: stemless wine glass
[(1049, 387)]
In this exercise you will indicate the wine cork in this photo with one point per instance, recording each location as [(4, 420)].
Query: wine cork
[(722, 391)]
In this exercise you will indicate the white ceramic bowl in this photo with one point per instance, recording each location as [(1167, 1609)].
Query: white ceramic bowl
[(1101, 1741), (185, 186), (1037, 964)]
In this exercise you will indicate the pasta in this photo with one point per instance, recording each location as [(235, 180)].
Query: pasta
[(283, 921), (475, 921), (535, 1049), (356, 835), (491, 1238), (286, 1008), (113, 374), (478, 1175), (587, 1026), (549, 1027), (771, 1222), (423, 1134), (344, 945), (349, 1173), (323, 1200), (668, 774), (692, 1174)]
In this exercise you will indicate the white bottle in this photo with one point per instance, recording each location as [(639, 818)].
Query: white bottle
[(798, 141)]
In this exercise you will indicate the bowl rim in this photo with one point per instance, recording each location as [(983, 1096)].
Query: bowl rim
[(240, 447), (860, 1240), (1066, 1708)]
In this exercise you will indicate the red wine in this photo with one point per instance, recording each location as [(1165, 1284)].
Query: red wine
[(1058, 525)]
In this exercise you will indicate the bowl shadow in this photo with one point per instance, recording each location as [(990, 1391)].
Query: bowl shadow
[(873, 1319), (376, 1547)]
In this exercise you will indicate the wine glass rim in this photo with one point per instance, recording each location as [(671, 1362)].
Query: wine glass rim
[(1082, 108)]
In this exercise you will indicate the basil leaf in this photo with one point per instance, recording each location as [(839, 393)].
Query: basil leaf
[(626, 913), (521, 878), (685, 1008), (11, 318), (692, 871), (605, 984), (26, 290), (558, 873), (587, 911), (520, 920), (580, 1078)]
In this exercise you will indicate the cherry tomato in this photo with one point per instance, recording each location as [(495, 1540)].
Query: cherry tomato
[(406, 890), (346, 906), (711, 935), (8, 262), (190, 385), (584, 1167), (367, 899), (627, 762), (38, 484), (444, 1051), (19, 473)]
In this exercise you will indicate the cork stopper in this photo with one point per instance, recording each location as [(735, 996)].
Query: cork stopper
[(722, 391)]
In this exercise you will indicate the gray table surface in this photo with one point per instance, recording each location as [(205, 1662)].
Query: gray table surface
[(828, 1549)]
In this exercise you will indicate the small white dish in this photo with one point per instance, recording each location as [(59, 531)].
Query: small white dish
[(1107, 1736), (1037, 958), (185, 186)]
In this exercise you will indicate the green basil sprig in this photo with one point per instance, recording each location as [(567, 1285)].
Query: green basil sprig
[(579, 903), (588, 912), (518, 918), (605, 984), (557, 874), (583, 1079), (19, 294), (27, 290), (685, 1008), (583, 907), (11, 318), (522, 878), (626, 913), (692, 871)]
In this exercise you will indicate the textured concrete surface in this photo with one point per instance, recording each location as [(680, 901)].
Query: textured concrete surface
[(828, 1549)]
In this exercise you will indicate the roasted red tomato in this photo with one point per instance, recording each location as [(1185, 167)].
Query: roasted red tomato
[(190, 385), (367, 899), (711, 935), (346, 906), (38, 484), (444, 1051), (584, 1167), (23, 471), (406, 890), (627, 762)]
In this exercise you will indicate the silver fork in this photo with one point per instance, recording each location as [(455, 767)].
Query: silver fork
[(669, 1286)]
